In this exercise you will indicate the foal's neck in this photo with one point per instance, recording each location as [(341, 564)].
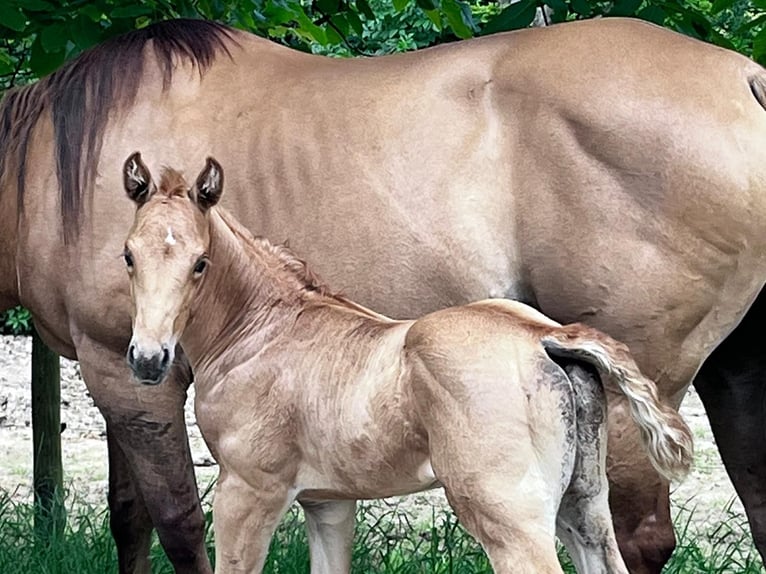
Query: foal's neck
[(251, 292)]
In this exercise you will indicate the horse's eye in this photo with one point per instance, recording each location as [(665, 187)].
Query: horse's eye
[(200, 265), (128, 257)]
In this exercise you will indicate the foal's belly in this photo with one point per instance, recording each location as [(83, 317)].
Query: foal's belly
[(366, 480)]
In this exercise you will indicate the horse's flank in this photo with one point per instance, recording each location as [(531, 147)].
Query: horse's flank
[(81, 95)]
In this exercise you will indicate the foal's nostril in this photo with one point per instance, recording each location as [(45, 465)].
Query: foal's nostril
[(132, 354), (165, 356)]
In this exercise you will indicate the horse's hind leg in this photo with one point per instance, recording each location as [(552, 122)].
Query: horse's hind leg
[(129, 519), (330, 526), (584, 520), (732, 386), (148, 425)]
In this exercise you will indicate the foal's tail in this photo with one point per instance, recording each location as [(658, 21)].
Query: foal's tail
[(663, 432)]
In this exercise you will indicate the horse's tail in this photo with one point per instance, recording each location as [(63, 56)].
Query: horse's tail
[(757, 83), (663, 431)]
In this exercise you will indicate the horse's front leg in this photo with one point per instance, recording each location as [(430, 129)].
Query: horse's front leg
[(129, 519), (330, 526), (732, 386), (244, 521), (151, 469)]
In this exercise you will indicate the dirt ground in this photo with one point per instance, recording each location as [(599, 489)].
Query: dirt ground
[(708, 490)]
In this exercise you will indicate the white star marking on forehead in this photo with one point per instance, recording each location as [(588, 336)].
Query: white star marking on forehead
[(170, 240)]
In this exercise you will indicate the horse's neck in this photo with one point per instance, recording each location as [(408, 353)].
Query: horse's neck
[(246, 299)]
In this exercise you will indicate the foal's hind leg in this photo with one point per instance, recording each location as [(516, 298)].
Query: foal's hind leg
[(512, 519), (330, 526), (503, 485), (584, 520)]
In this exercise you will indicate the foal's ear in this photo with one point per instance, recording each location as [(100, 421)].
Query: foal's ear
[(209, 185), (137, 179)]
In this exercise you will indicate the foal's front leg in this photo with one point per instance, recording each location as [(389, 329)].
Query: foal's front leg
[(330, 526), (244, 521)]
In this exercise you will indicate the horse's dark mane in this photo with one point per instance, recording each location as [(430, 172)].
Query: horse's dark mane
[(81, 94)]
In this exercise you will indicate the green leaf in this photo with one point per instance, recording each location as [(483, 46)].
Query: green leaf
[(245, 18), (131, 11), (426, 4), (12, 17), (333, 38), (341, 25), (459, 18), (307, 29), (400, 5), (742, 30), (625, 7), (582, 7), (516, 16), (38, 6), (364, 7), (55, 37), (42, 62), (92, 12), (760, 4), (720, 40), (435, 17), (558, 5), (721, 5), (355, 22), (328, 7), (759, 46), (276, 14), (6, 64), (653, 14)]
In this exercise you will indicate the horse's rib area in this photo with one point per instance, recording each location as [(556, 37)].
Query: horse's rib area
[(81, 94)]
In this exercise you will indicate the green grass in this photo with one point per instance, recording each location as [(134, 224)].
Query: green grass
[(385, 542)]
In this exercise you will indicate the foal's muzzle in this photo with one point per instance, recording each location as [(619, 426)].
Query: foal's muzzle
[(149, 368)]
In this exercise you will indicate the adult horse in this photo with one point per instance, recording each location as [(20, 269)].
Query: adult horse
[(619, 184)]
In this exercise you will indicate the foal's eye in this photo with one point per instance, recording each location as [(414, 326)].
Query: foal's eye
[(128, 257), (200, 266)]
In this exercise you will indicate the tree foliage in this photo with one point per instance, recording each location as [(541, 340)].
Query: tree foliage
[(39, 35)]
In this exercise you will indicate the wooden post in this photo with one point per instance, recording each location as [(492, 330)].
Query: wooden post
[(46, 438)]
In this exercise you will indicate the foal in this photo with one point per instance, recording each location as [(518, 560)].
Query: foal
[(303, 395)]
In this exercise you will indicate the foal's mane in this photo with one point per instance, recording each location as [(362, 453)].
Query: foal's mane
[(81, 94), (281, 254), (295, 266)]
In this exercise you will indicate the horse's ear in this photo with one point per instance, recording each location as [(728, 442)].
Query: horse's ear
[(137, 179), (209, 185)]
